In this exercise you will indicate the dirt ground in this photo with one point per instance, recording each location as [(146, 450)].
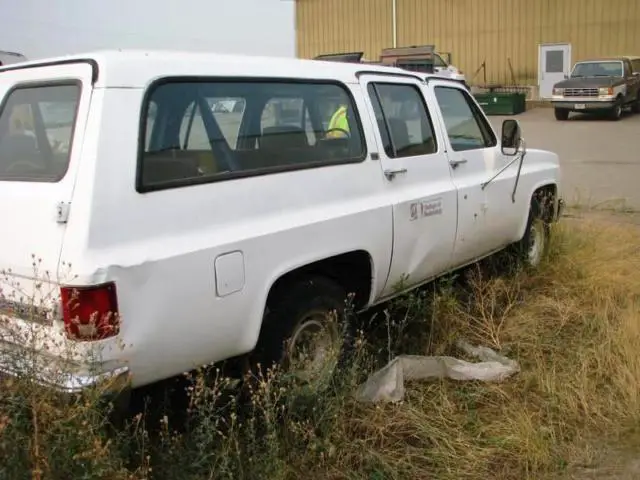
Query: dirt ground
[(610, 463)]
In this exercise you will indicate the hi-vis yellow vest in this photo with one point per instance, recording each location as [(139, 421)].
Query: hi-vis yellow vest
[(339, 121)]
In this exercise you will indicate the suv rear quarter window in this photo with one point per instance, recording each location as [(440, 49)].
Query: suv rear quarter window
[(36, 129), (208, 131)]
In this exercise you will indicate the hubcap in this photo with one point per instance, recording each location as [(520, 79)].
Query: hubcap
[(313, 349), (536, 242)]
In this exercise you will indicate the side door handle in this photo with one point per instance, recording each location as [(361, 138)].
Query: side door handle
[(391, 174), (454, 163)]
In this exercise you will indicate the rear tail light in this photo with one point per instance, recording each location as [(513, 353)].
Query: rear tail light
[(90, 313)]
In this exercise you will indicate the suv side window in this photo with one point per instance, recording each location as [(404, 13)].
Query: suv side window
[(284, 111), (403, 120), (207, 131), (466, 126)]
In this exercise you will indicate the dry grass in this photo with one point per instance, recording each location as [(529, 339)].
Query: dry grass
[(574, 326)]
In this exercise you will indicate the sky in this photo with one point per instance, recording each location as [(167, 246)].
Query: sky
[(41, 28)]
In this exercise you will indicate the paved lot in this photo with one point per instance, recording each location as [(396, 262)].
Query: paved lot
[(600, 158)]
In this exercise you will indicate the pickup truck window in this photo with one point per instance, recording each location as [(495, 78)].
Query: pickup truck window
[(636, 65), (606, 68), (403, 120), (36, 128), (208, 131), (466, 127)]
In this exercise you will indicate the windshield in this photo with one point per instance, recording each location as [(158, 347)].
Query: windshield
[(597, 69)]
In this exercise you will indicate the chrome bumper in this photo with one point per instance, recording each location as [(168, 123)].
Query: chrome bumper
[(64, 377), (583, 103)]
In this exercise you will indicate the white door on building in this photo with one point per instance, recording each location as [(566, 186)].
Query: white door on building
[(554, 62)]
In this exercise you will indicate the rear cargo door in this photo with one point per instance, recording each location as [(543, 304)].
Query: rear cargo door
[(43, 113)]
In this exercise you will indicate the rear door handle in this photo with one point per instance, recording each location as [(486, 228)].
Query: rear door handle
[(391, 174), (455, 163)]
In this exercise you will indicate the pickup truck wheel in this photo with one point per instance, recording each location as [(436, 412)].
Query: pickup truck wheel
[(533, 245), (635, 106), (303, 331), (616, 110), (561, 114)]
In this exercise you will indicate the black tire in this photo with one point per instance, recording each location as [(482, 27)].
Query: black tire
[(289, 309), (561, 114), (616, 112), (635, 106), (531, 249)]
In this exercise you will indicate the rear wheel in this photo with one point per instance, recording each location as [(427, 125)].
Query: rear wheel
[(561, 114), (304, 330), (635, 106)]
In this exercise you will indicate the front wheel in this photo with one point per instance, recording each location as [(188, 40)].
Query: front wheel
[(533, 245), (616, 111), (561, 114)]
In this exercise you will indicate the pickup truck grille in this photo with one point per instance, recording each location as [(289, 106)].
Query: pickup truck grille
[(580, 92)]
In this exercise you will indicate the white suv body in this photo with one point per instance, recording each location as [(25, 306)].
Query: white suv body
[(140, 199)]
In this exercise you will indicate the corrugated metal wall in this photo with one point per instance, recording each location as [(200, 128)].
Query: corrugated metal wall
[(473, 30), (325, 26)]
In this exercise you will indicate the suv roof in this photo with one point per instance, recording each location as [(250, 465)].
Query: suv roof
[(138, 68)]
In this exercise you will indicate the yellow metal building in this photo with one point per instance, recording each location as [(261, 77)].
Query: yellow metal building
[(539, 38)]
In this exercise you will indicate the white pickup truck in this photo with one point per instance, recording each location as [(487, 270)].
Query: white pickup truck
[(167, 235)]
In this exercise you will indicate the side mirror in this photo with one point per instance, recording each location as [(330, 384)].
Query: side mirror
[(511, 137)]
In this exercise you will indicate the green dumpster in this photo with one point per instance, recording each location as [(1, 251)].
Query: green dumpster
[(495, 103)]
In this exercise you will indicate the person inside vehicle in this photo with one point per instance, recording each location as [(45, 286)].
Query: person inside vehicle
[(339, 124)]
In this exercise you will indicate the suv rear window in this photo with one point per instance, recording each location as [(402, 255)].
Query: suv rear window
[(36, 129), (206, 131)]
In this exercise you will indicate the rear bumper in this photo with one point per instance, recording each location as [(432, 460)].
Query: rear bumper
[(61, 376)]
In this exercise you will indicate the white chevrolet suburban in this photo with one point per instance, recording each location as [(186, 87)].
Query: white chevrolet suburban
[(156, 233)]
